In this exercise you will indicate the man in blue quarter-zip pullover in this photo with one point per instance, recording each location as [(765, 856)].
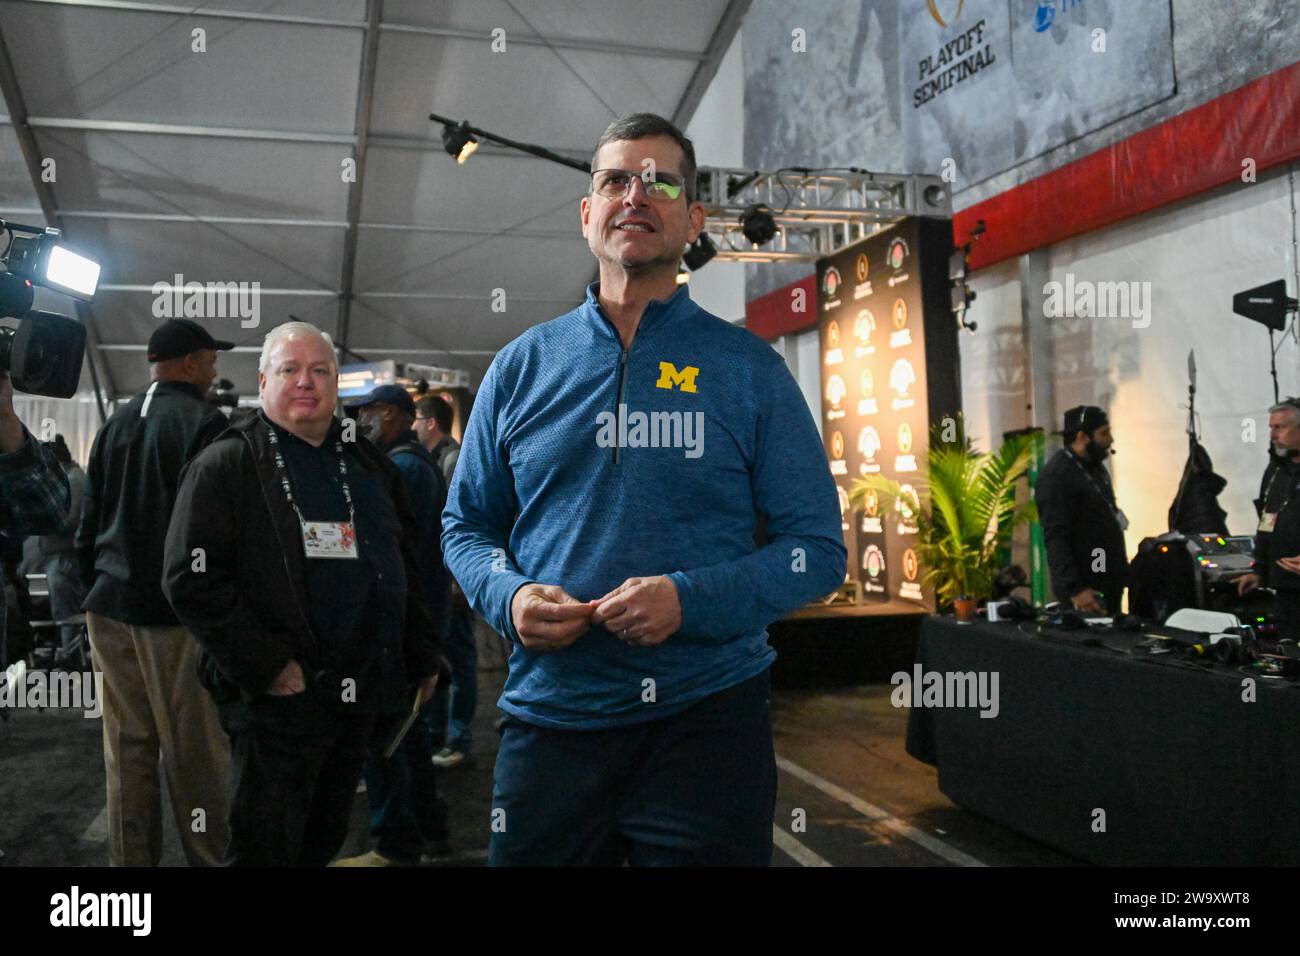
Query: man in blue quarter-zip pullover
[(602, 518)]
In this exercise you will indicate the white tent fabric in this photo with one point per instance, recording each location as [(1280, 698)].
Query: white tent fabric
[(216, 144)]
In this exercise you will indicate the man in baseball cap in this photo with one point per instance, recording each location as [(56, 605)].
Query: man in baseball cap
[(153, 702), (379, 401), (1083, 527), (407, 817), (177, 338)]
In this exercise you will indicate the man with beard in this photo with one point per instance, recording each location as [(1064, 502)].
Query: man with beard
[(1082, 526)]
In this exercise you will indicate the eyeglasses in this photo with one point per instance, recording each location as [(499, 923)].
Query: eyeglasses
[(615, 183)]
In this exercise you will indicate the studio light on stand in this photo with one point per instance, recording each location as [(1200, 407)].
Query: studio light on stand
[(1269, 305)]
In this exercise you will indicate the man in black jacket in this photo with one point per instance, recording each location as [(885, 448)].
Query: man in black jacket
[(153, 702), (1082, 526), (1277, 539), (289, 557)]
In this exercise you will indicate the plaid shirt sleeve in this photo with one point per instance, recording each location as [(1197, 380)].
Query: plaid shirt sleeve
[(34, 495)]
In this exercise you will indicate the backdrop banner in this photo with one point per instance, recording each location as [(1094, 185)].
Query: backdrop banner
[(998, 82)]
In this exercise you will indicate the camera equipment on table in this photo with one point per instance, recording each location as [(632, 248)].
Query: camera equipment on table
[(1174, 571), (1224, 638), (43, 353)]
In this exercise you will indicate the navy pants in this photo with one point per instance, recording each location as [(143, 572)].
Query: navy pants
[(456, 700), (402, 790), (697, 788)]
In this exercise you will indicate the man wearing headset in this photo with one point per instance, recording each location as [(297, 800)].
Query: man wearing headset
[(1083, 528)]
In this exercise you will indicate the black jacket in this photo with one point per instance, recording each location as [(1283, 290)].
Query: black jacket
[(1075, 508), (247, 605), (131, 481), (1283, 499)]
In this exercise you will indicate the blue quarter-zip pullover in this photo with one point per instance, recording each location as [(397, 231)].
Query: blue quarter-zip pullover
[(585, 464)]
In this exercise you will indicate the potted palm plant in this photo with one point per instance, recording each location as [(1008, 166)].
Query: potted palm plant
[(969, 514)]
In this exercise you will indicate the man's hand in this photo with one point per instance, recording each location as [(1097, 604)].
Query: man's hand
[(11, 429), (1247, 583), (290, 681), (1086, 601), (641, 611), (1290, 564), (548, 618)]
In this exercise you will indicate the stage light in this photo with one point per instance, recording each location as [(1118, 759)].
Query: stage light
[(935, 195), (699, 252), (757, 224), (962, 297), (458, 141), (957, 265)]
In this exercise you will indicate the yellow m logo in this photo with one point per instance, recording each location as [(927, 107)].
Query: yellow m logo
[(669, 376)]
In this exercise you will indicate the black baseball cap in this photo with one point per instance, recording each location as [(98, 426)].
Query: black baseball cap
[(393, 395), (1084, 418), (178, 337)]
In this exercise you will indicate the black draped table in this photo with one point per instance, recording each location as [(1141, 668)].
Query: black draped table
[(1184, 770)]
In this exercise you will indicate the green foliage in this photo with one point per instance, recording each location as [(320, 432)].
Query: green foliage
[(971, 513)]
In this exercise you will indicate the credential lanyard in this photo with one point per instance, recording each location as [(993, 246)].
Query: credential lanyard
[(282, 472), (1269, 490)]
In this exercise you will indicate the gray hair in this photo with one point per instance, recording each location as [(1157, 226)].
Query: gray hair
[(642, 125), (1290, 405), (287, 330)]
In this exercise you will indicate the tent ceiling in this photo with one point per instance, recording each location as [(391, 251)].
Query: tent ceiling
[(228, 165)]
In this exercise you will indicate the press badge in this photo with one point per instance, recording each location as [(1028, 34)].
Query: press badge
[(329, 539), (1268, 521)]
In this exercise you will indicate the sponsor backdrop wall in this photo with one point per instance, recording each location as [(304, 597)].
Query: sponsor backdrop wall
[(889, 370)]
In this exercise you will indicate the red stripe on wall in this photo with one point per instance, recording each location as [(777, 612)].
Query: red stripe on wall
[(1187, 154), (773, 314)]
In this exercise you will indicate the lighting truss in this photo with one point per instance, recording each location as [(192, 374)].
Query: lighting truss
[(817, 212)]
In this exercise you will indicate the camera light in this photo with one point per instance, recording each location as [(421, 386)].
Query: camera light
[(68, 272)]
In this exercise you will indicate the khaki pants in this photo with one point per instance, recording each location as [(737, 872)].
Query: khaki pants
[(154, 704)]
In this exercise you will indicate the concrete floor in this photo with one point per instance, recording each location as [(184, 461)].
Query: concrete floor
[(844, 774)]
